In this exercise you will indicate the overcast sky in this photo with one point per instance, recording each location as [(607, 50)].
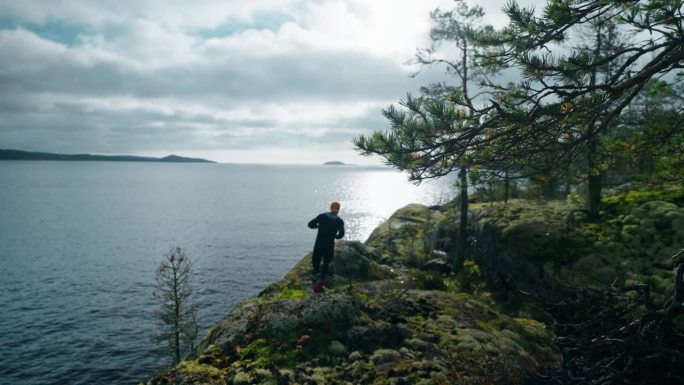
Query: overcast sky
[(259, 81)]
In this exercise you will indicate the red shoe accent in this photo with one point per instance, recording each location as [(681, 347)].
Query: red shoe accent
[(318, 287)]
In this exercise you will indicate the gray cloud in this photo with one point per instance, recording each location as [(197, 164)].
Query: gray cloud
[(305, 74), (135, 77)]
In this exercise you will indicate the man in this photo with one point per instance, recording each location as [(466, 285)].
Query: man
[(330, 227)]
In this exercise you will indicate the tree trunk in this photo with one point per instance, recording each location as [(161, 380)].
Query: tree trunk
[(594, 180), (594, 195), (506, 184), (463, 226), (645, 164), (176, 319), (550, 189)]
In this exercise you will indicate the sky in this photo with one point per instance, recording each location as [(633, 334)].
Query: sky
[(259, 81)]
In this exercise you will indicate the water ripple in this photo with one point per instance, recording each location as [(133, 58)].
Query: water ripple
[(79, 245)]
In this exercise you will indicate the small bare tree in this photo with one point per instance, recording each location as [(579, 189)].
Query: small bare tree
[(177, 313)]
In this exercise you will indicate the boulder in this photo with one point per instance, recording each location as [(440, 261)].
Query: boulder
[(272, 318), (334, 310), (350, 260)]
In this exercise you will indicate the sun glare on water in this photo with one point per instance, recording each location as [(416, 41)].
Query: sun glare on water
[(372, 198)]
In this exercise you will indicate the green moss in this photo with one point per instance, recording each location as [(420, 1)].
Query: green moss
[(375, 272), (446, 329), (533, 330), (404, 236), (417, 319), (417, 344), (428, 280), (636, 233), (485, 326), (290, 293), (470, 279), (623, 202), (336, 348), (282, 352), (535, 230), (212, 355), (359, 295), (199, 372), (259, 351), (382, 356), (265, 377), (241, 378)]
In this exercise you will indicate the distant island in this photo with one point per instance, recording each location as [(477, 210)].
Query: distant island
[(335, 163), (26, 155)]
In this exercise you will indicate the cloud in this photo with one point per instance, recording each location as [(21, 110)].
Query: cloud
[(147, 76), (172, 14)]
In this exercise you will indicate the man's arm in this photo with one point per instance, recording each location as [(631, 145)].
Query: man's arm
[(313, 223), (340, 231)]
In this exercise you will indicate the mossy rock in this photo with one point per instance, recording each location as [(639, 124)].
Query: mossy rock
[(625, 201), (413, 228), (241, 378), (627, 243), (333, 310), (383, 356), (352, 260), (336, 348), (399, 332), (534, 230)]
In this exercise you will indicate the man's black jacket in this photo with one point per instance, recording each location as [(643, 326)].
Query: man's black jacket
[(330, 227)]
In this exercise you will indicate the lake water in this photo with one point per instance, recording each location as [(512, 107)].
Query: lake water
[(80, 242)]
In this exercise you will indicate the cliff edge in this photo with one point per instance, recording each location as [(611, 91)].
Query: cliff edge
[(394, 314)]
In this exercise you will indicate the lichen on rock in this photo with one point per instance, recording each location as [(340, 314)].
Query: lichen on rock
[(408, 320)]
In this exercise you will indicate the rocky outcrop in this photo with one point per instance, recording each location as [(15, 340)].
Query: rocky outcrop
[(394, 313), (532, 246), (404, 320)]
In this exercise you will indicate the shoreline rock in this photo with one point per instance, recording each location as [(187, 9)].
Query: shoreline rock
[(394, 314)]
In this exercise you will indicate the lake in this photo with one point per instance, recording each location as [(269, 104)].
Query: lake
[(80, 243)]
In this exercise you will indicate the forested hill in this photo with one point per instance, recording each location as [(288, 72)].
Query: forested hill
[(25, 155)]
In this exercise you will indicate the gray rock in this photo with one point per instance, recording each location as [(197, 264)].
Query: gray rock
[(331, 310), (231, 330), (272, 318), (438, 265), (440, 254), (350, 260)]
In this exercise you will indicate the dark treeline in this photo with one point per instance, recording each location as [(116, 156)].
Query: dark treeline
[(27, 155)]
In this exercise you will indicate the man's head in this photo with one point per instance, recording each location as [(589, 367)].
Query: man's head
[(335, 207)]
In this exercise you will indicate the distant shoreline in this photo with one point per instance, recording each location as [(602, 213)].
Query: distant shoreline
[(27, 155), (336, 163)]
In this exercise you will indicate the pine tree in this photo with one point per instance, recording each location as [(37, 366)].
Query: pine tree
[(177, 314), (426, 138), (573, 96), (555, 118)]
